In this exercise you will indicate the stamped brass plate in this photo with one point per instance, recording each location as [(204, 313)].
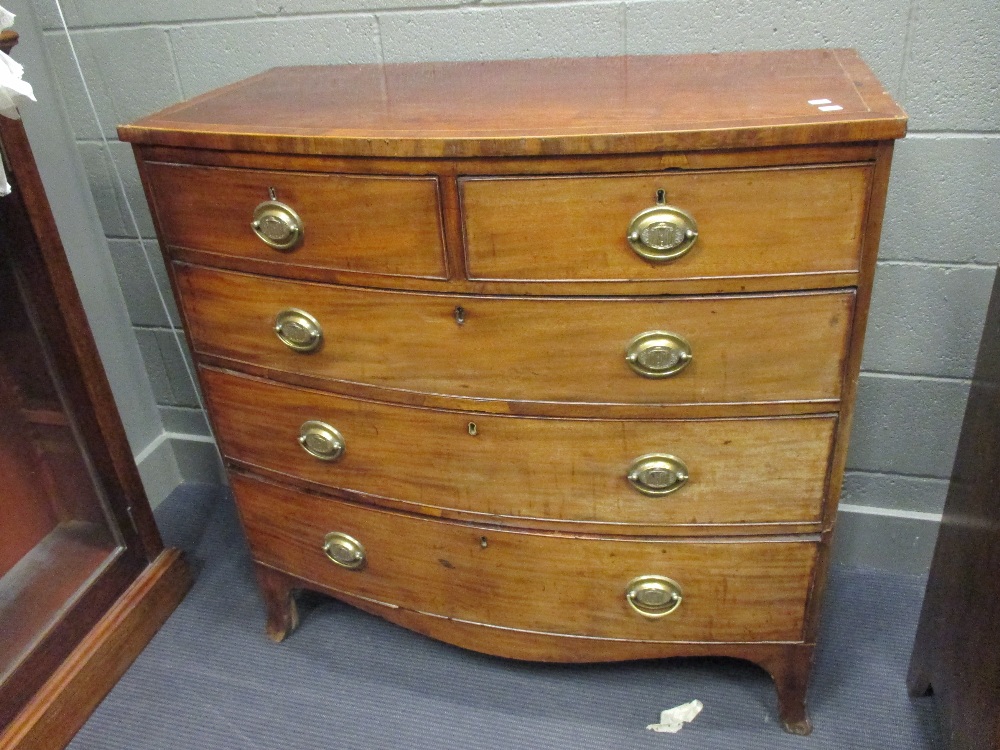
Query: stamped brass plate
[(277, 224), (653, 595)]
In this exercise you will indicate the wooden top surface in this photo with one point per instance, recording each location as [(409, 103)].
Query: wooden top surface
[(529, 107), (8, 39)]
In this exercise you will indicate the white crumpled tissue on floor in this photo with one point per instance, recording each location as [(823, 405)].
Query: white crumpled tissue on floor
[(12, 88), (674, 718)]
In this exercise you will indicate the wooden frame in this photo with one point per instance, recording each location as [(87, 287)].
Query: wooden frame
[(77, 659)]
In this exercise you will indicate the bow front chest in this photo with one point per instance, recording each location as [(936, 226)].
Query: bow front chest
[(550, 359)]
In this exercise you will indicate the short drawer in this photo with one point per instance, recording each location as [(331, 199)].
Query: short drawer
[(350, 223), (731, 590), (749, 223), (782, 347), (513, 469)]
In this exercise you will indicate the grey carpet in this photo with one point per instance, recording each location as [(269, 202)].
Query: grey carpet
[(347, 680)]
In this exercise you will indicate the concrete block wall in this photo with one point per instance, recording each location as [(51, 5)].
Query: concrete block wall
[(942, 231)]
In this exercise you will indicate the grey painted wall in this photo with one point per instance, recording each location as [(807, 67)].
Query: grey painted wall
[(67, 186), (939, 59)]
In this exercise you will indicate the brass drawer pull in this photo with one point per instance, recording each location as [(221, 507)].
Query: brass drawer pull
[(657, 474), (344, 550), (658, 354), (661, 233), (653, 596), (277, 224), (298, 330), (321, 440)]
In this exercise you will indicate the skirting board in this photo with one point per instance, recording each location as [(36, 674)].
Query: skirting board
[(65, 702), (175, 458), (885, 539)]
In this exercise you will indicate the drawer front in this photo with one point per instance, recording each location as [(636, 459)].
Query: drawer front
[(744, 349), (519, 468), (352, 223), (732, 590), (749, 223)]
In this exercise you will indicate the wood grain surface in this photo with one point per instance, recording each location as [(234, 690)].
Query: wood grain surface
[(734, 590), (516, 469), (30, 244), (745, 348), (360, 224), (750, 223), (57, 711), (538, 107), (478, 376), (956, 654)]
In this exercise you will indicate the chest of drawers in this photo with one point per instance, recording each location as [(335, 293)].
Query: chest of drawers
[(549, 359)]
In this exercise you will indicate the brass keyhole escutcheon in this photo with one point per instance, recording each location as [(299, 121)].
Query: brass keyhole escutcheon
[(653, 595), (344, 550), (657, 474), (298, 330), (277, 224), (662, 233), (658, 354), (321, 440)]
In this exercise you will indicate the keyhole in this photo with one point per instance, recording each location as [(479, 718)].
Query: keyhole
[(473, 430), (483, 543), (661, 197), (272, 193), (460, 315)]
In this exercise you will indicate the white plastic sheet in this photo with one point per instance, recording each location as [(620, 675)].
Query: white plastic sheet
[(674, 718), (13, 89)]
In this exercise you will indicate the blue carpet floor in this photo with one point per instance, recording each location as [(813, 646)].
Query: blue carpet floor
[(347, 680)]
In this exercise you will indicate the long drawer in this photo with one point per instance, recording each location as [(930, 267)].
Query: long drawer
[(749, 223), (731, 590), (743, 348), (513, 469)]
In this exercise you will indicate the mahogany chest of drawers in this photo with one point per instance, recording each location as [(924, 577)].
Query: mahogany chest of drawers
[(550, 359)]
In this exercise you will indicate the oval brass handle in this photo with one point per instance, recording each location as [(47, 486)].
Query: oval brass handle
[(321, 440), (653, 596), (277, 224), (657, 474), (658, 354), (344, 550), (661, 233), (298, 330)]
